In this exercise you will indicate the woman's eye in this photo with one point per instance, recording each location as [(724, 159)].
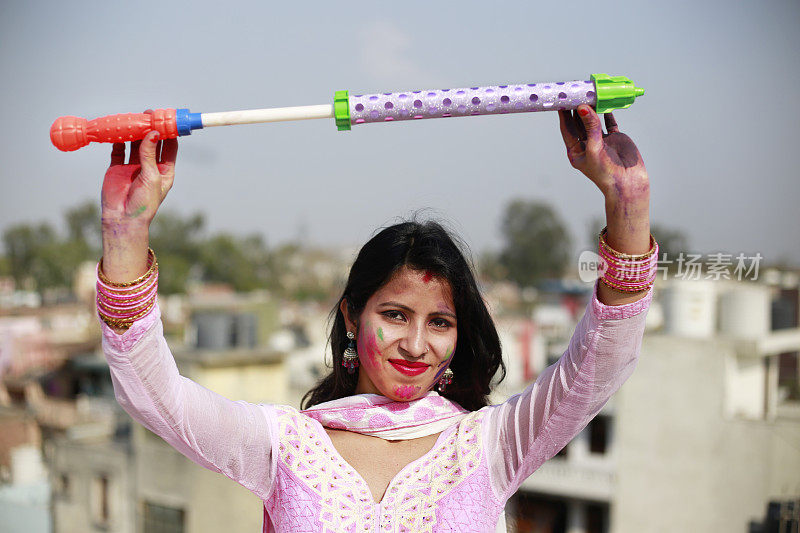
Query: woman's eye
[(441, 323), (394, 315)]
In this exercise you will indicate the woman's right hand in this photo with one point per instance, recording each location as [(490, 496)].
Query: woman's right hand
[(132, 193)]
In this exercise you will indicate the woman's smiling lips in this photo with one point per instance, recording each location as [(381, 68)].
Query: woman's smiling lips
[(409, 368)]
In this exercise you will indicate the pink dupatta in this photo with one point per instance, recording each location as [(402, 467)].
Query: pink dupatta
[(378, 416)]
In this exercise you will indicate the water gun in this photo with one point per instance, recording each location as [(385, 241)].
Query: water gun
[(603, 92)]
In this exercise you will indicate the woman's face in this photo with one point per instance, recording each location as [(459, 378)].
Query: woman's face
[(406, 336)]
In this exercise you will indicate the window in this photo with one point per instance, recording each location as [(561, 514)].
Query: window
[(599, 434), (597, 516), (161, 519), (62, 486), (538, 513), (789, 376), (100, 501)]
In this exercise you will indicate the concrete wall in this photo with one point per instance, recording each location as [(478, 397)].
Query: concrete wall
[(252, 383), (82, 463), (682, 464)]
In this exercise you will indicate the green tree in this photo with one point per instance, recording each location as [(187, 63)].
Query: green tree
[(38, 256), (83, 228), (241, 262), (32, 255), (178, 244), (672, 242), (536, 242)]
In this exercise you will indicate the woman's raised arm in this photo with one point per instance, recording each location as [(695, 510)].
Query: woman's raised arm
[(230, 437), (533, 426), (613, 163)]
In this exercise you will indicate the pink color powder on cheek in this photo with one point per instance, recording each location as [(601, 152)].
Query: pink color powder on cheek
[(406, 391), (369, 346)]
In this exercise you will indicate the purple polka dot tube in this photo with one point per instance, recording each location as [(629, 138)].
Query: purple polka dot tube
[(491, 100)]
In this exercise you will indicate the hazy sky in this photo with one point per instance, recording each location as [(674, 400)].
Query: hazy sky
[(717, 126)]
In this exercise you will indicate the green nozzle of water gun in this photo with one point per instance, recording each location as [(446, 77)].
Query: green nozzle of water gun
[(614, 92), (341, 110)]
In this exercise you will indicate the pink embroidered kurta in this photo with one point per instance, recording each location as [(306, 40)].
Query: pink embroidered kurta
[(287, 459)]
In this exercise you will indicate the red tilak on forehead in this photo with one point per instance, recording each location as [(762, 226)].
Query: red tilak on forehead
[(426, 277)]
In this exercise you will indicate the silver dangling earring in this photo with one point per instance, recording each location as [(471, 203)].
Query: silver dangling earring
[(445, 380), (350, 357)]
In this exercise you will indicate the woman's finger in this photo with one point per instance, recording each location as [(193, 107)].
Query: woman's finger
[(169, 151), (133, 157), (147, 158), (118, 154), (569, 132), (579, 125), (567, 126), (611, 123), (594, 131)]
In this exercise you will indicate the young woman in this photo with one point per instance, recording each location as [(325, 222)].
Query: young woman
[(399, 437)]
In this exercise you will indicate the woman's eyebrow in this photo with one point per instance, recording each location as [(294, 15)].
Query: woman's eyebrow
[(406, 308)]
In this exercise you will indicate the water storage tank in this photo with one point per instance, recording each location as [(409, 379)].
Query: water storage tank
[(222, 330), (215, 330), (690, 308), (744, 311), (26, 465)]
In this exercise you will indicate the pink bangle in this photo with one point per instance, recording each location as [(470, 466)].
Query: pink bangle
[(124, 291), (613, 259), (624, 288), (133, 309), (628, 273), (127, 321), (119, 305), (632, 283), (145, 289)]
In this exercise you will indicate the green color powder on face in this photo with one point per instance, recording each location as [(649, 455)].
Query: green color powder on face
[(380, 333)]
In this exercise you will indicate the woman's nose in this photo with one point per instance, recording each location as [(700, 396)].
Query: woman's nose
[(414, 343)]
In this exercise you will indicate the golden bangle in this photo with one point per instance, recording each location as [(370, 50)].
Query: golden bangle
[(133, 289), (151, 264), (620, 288), (105, 307), (621, 255), (126, 303), (110, 296), (125, 322)]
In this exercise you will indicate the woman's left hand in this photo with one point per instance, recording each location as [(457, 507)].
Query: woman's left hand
[(613, 163), (610, 160)]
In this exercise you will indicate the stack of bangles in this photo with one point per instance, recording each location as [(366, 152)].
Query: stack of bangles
[(121, 304), (628, 273)]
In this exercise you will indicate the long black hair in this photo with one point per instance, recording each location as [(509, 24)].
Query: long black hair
[(423, 246)]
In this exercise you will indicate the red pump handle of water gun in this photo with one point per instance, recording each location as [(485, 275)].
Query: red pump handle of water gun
[(70, 133)]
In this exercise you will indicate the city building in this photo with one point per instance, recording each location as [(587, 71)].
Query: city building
[(702, 437)]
